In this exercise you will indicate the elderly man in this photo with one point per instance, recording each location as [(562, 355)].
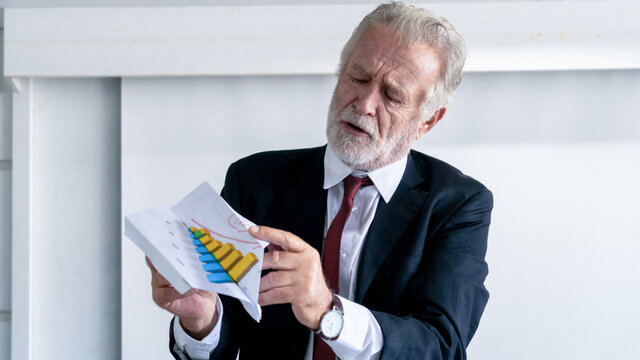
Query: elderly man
[(377, 251)]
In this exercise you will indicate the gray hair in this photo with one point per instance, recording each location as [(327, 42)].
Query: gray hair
[(416, 25)]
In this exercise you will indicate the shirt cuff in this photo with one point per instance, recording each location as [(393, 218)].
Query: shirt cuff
[(198, 349), (361, 336)]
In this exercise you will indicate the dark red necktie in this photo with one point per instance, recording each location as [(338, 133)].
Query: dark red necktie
[(331, 253)]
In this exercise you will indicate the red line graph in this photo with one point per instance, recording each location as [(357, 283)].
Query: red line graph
[(233, 221), (224, 236)]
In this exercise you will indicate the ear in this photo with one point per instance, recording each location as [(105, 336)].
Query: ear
[(427, 125)]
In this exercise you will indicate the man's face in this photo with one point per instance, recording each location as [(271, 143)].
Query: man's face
[(374, 116)]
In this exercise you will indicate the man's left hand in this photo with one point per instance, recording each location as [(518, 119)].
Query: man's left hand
[(297, 277)]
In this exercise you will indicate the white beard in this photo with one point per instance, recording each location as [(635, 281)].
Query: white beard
[(367, 153)]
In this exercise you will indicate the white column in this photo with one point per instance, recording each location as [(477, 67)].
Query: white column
[(5, 212), (22, 229)]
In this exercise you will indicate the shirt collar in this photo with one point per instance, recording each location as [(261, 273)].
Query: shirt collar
[(386, 179)]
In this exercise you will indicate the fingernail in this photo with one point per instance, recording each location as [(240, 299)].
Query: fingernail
[(253, 230)]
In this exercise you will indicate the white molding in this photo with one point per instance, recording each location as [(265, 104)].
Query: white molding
[(16, 84), (22, 225), (299, 39)]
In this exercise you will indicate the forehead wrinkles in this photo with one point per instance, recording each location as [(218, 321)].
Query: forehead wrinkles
[(380, 41), (390, 66), (397, 65)]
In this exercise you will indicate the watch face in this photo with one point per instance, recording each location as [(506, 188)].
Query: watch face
[(331, 324)]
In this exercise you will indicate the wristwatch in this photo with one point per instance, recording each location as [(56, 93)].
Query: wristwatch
[(332, 321)]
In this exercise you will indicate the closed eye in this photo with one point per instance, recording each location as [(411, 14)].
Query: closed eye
[(358, 80), (392, 98)]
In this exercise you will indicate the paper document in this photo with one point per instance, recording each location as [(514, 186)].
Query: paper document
[(202, 243)]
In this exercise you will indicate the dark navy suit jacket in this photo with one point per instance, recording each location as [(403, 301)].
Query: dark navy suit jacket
[(422, 266)]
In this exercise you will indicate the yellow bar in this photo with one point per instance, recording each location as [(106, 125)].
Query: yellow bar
[(231, 260), (205, 231), (242, 267), (222, 252), (213, 245), (192, 229), (205, 239)]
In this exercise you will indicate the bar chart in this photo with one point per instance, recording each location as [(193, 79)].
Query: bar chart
[(222, 261)]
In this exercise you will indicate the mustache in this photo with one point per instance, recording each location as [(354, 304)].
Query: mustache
[(368, 125)]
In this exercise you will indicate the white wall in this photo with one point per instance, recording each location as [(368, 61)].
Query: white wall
[(76, 233), (558, 149), (542, 107), (5, 214), (563, 180)]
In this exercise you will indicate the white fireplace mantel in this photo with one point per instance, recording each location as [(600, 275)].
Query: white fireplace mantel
[(141, 42), (304, 39)]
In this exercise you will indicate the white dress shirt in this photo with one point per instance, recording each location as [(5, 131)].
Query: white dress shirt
[(361, 336)]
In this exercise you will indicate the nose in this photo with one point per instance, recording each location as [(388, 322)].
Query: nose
[(368, 100)]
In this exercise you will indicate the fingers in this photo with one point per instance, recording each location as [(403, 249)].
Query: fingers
[(276, 279), (298, 278), (162, 292), (279, 260), (281, 295), (149, 264), (284, 239), (157, 280), (273, 247), (277, 287), (164, 296), (196, 308)]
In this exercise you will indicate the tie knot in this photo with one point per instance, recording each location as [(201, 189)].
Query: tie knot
[(353, 183)]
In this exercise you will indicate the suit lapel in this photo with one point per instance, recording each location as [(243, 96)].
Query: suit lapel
[(306, 202), (390, 224)]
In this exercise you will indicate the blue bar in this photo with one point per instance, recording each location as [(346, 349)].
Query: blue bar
[(197, 242), (219, 277), (213, 267), (202, 250), (208, 258), (192, 236)]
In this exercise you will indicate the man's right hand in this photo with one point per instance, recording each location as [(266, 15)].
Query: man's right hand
[(195, 308)]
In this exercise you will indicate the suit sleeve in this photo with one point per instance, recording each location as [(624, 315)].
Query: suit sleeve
[(445, 298)]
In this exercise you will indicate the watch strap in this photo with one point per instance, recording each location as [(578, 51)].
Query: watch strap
[(337, 304)]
